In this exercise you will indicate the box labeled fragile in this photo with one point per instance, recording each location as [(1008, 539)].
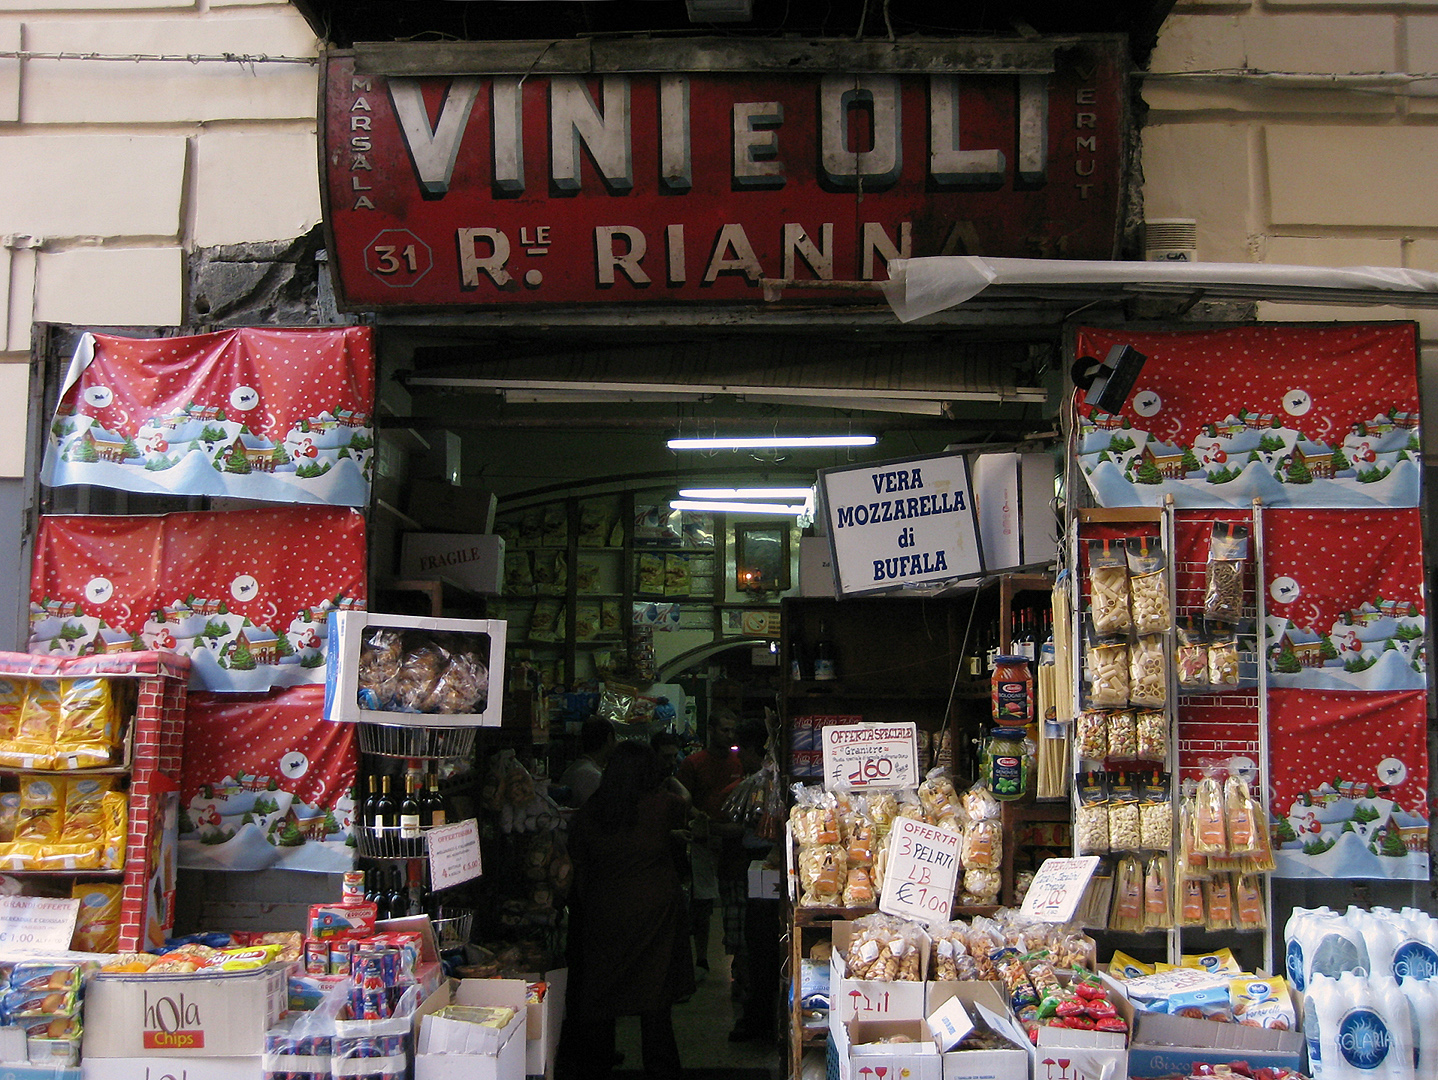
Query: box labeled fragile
[(472, 561), (1163, 1045), (868, 999), (152, 1068), (982, 1005), (481, 639), (220, 1014), (866, 1048)]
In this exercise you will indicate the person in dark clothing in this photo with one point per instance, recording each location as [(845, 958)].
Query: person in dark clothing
[(757, 980), (630, 926)]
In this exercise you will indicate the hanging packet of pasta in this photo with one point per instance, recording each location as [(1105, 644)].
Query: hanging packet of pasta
[(1223, 577)]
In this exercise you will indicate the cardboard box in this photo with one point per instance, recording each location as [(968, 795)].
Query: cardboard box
[(346, 628), (221, 1014), (861, 1056), (542, 1020), (816, 567), (438, 504), (1163, 1045), (1009, 1064), (1014, 495), (152, 1068), (859, 999), (764, 883), (473, 561), (508, 1060), (445, 1035), (1091, 1055)]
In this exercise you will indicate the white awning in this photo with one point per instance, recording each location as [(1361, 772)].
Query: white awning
[(919, 287)]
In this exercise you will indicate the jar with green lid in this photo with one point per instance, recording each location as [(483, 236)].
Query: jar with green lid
[(1006, 763)]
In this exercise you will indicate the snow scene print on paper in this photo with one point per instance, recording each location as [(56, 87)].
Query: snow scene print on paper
[(1344, 600), (1349, 777), (267, 784), (245, 594), (274, 415), (1294, 416)]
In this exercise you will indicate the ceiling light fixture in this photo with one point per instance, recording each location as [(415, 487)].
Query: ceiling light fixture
[(772, 442), (747, 493), (736, 507)]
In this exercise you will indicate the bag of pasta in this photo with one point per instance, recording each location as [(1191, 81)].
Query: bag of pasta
[(948, 949), (938, 797), (823, 869), (859, 887), (814, 817), (884, 949), (1223, 580), (12, 703), (1191, 654), (1148, 586), (1108, 586), (1148, 672), (1107, 672), (1241, 818), (983, 845)]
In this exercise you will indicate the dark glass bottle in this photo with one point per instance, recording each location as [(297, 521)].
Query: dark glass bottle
[(398, 900), (433, 810), (826, 660), (409, 819), (385, 819)]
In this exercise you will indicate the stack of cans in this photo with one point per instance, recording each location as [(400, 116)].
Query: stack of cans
[(292, 1056)]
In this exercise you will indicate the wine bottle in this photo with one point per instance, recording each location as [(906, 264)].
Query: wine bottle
[(826, 662), (386, 814), (371, 892), (433, 807), (409, 828), (398, 897)]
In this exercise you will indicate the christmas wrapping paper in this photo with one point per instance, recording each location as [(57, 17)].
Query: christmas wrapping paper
[(1294, 416), (267, 783), (273, 415), (244, 593)]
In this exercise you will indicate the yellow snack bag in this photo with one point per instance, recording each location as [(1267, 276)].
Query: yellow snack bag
[(87, 712), (115, 813), (12, 703), (66, 756), (59, 856), (27, 754), (40, 715), (84, 817), (42, 808), (1124, 967), (1220, 962), (9, 815), (244, 958), (97, 924)]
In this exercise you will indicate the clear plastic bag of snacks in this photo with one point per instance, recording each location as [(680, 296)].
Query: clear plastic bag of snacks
[(1223, 578), (1091, 814), (1157, 893), (1222, 657), (1091, 735), (1148, 586), (1152, 726), (1122, 735), (1126, 914), (1107, 667), (1191, 654), (1148, 672), (823, 871)]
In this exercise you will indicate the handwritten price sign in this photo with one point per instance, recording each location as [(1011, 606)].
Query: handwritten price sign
[(453, 854), (1059, 885), (922, 870), (870, 756), (32, 924)]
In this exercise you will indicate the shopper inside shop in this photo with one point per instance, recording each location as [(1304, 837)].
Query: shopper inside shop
[(629, 941), (709, 775), (756, 967), (596, 743)]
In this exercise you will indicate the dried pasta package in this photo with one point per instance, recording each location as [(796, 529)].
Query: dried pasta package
[(1223, 577), (1124, 819), (985, 939), (983, 845), (1126, 914), (42, 808), (1107, 671), (1190, 902), (860, 843), (1148, 586), (1108, 586), (979, 803), (1148, 672), (1122, 736), (981, 886), (1241, 817), (1155, 813), (1091, 813), (937, 795), (1152, 735), (858, 887), (1157, 894), (1222, 657), (97, 923), (1260, 860), (84, 809), (1191, 654), (1091, 735), (1218, 901), (1210, 834), (1248, 902), (88, 712), (1190, 862), (881, 807), (40, 715), (947, 949), (12, 702)]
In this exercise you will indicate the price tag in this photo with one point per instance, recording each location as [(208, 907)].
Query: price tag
[(453, 854), (36, 924), (922, 869), (858, 756), (1059, 885)]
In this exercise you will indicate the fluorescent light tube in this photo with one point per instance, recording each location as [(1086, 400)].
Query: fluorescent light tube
[(772, 442), (731, 507), (747, 493)]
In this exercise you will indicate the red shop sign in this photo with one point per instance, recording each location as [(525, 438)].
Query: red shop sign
[(646, 187)]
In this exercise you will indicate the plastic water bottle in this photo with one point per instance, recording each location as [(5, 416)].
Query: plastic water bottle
[(1422, 995), (1337, 947), (1416, 956), (1296, 957), (1393, 1008), (1320, 1025), (1381, 935)]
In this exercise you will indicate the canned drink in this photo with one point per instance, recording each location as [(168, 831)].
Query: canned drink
[(353, 887)]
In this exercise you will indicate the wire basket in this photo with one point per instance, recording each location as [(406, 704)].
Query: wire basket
[(405, 741), (380, 842), (453, 927)]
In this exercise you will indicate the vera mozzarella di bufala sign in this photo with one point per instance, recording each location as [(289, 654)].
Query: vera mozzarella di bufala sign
[(898, 523)]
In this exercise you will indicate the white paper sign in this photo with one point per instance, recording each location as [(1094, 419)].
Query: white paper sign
[(900, 523), (35, 924), (858, 756), (1059, 885), (921, 872), (453, 854)]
